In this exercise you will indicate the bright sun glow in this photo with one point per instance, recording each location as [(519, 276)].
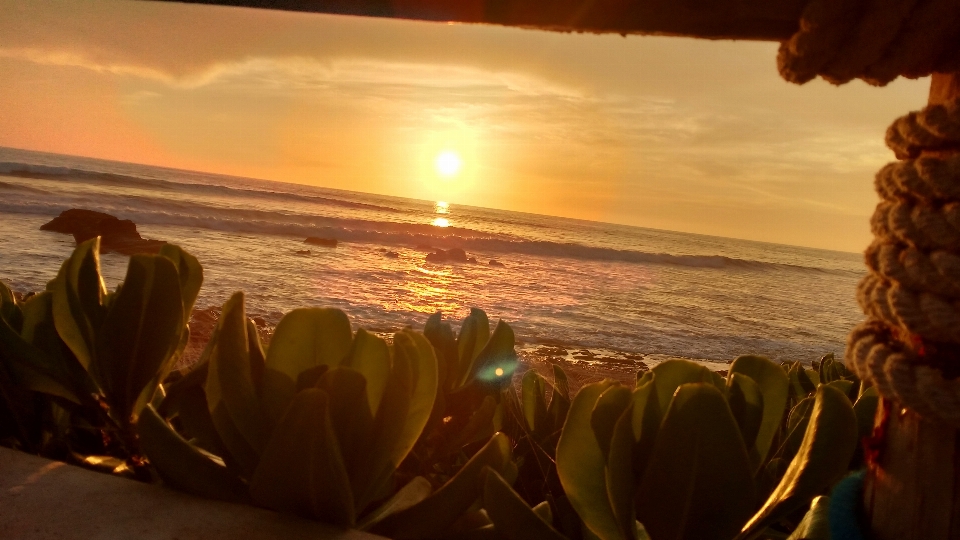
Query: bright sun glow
[(448, 163), (441, 222), (499, 372)]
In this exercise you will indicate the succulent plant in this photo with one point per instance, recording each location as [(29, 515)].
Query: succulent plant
[(317, 425), (97, 356)]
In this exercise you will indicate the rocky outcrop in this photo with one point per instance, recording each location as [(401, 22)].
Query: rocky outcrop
[(323, 242), (116, 235), (452, 255), (494, 262)]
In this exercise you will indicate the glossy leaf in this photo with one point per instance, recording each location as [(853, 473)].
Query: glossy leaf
[(78, 292), (699, 482), (434, 515), (828, 445), (302, 469), (349, 415), (669, 375), (645, 417), (190, 274), (775, 387), (370, 356), (510, 514), (139, 334), (309, 337), (182, 466), (497, 361), (746, 403), (423, 364), (533, 400), (608, 409), (580, 465), (231, 396), (621, 475), (474, 334), (412, 493)]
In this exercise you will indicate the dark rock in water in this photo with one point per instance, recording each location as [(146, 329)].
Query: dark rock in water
[(452, 255), (303, 252), (259, 321), (472, 260), (317, 241), (494, 262), (382, 250), (116, 235), (391, 255)]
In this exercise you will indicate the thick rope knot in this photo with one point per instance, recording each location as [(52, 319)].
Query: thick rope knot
[(910, 345), (874, 40)]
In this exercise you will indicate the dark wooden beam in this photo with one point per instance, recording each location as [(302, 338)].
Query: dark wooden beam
[(773, 20)]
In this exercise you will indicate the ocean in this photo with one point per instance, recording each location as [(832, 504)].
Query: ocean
[(593, 290)]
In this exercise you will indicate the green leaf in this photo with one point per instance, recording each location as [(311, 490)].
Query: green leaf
[(671, 374), (302, 469), (815, 525), (645, 417), (606, 412), (371, 357), (190, 275), (474, 334), (183, 466), (775, 387), (372, 481), (231, 395), (621, 476), (139, 335), (309, 337), (581, 462), (699, 482), (559, 401), (27, 367), (435, 514), (48, 354), (9, 309), (413, 492), (746, 403), (494, 366), (533, 399), (800, 384), (828, 445), (420, 356), (349, 415), (78, 292), (797, 422), (510, 514)]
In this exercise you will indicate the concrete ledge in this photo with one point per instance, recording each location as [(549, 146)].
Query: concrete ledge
[(47, 500)]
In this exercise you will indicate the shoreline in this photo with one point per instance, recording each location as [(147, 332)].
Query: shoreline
[(582, 365)]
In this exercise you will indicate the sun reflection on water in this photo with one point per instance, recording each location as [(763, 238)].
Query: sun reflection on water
[(441, 222), (442, 207)]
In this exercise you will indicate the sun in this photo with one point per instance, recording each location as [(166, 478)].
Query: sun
[(448, 163)]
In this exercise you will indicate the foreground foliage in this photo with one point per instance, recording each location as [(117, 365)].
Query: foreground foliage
[(422, 435)]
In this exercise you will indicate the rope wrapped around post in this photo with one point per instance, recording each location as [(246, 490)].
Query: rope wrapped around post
[(873, 40), (910, 345)]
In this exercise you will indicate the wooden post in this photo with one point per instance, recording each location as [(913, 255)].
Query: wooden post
[(912, 489)]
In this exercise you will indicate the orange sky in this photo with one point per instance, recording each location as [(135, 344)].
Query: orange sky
[(667, 133)]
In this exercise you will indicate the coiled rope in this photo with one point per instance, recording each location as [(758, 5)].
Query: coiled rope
[(910, 345), (874, 40)]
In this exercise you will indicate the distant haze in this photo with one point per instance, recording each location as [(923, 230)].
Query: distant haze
[(668, 133)]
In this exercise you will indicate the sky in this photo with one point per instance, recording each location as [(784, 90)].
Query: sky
[(668, 133)]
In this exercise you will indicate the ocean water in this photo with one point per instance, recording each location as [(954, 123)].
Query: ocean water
[(578, 284)]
